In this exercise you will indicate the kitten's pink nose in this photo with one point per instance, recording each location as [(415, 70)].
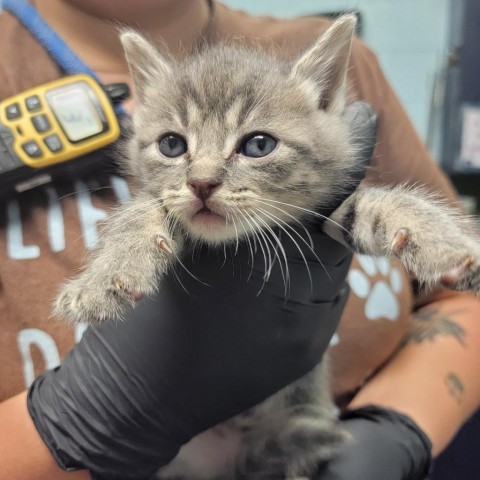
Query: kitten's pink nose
[(203, 188)]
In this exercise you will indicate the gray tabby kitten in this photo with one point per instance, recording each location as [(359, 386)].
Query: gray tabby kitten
[(228, 144)]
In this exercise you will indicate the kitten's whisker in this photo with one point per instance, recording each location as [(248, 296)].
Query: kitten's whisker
[(257, 237), (189, 272), (275, 219), (250, 249), (171, 220), (261, 235), (316, 214), (139, 207), (88, 189), (195, 244), (300, 251), (127, 215), (270, 257), (251, 229), (236, 232), (172, 227), (177, 278), (224, 255), (285, 273), (293, 218), (277, 241)]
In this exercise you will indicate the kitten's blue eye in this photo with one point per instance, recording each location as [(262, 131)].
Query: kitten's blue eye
[(258, 145), (172, 145)]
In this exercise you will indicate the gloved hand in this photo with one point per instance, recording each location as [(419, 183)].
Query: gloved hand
[(131, 393), (384, 444)]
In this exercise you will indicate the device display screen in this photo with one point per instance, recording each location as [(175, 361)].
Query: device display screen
[(75, 112)]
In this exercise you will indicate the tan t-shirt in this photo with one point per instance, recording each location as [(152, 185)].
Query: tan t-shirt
[(44, 233)]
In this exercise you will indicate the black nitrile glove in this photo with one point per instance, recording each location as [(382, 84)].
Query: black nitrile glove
[(132, 393), (384, 445)]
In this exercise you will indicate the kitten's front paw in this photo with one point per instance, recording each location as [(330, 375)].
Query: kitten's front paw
[(452, 262), (116, 278), (92, 299)]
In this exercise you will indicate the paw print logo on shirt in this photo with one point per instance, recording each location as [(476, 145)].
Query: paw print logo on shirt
[(381, 299)]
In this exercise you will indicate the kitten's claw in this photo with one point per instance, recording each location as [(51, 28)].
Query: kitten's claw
[(92, 298), (122, 284), (163, 245), (469, 278), (400, 241), (83, 304), (453, 276)]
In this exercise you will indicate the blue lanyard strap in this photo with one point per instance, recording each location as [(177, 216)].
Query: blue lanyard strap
[(67, 60)]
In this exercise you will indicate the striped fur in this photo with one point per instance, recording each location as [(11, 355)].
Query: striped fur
[(215, 99)]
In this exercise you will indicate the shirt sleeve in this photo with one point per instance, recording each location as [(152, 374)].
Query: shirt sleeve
[(400, 156)]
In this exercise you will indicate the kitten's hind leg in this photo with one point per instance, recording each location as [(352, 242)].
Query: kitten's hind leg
[(435, 243), (293, 433), (134, 252)]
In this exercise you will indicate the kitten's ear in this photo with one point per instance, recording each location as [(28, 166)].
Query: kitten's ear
[(145, 62), (326, 62)]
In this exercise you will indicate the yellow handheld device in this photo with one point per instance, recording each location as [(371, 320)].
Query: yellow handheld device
[(47, 127)]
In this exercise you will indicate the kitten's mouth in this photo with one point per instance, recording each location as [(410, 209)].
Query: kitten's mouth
[(205, 210), (208, 217)]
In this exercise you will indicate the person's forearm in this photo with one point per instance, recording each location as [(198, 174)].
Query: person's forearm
[(23, 455), (434, 378)]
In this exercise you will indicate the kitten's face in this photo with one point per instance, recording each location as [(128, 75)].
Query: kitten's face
[(234, 141)]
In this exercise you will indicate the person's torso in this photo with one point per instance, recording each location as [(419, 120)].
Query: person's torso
[(45, 233)]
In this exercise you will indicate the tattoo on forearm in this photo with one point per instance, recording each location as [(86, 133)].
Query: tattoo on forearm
[(432, 323), (455, 387)]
